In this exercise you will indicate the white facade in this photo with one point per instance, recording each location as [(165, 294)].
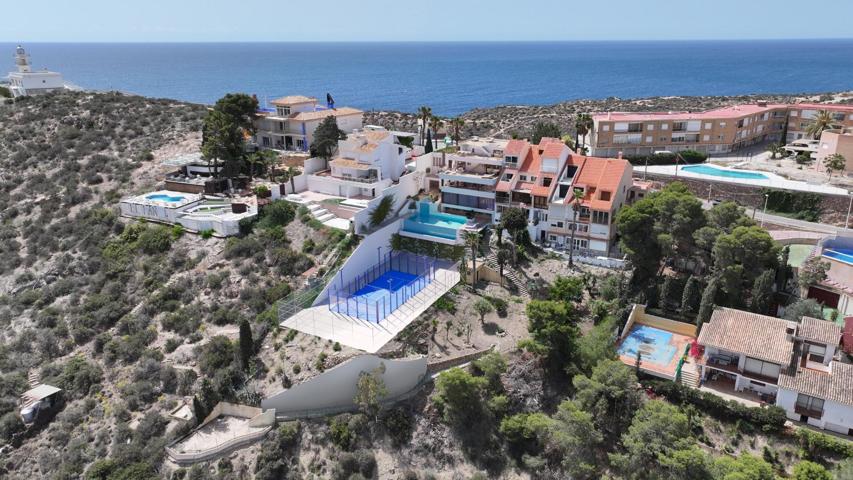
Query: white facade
[(837, 417), (25, 81), (291, 123)]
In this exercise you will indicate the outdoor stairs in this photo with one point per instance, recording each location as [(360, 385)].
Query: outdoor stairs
[(689, 375), (509, 273), (33, 378)]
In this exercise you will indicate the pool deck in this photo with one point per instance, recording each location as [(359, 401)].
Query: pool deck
[(667, 370), (772, 181)]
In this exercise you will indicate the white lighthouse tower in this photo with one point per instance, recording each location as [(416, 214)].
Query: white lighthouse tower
[(22, 60), (25, 81)]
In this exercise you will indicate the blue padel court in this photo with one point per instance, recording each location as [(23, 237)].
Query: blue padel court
[(383, 288)]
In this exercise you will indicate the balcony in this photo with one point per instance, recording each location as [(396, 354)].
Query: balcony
[(730, 364), (811, 413)]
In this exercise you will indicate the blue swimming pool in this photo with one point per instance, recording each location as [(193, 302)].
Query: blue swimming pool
[(429, 221), (653, 344), (165, 198), (841, 254), (719, 172)]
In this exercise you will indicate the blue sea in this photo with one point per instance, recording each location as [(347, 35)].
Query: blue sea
[(451, 77)]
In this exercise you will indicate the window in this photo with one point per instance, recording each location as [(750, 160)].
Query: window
[(708, 125), (605, 128), (650, 139), (706, 138), (679, 126), (559, 225), (546, 182), (300, 143), (664, 126), (282, 111), (512, 160), (809, 406), (523, 178), (722, 124), (794, 113), (651, 126), (601, 218), (532, 179), (816, 353), (762, 368), (552, 238), (605, 196), (508, 177)]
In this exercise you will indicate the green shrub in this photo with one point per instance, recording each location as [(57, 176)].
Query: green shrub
[(155, 240), (205, 234), (689, 156), (814, 444), (277, 214)]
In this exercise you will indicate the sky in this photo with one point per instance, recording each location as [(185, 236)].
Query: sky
[(424, 20)]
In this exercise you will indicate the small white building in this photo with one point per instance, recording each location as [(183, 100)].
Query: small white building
[(25, 81)]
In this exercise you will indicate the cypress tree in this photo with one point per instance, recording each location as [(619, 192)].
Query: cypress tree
[(667, 291), (247, 347), (762, 293), (782, 270), (428, 144), (706, 306), (691, 296)]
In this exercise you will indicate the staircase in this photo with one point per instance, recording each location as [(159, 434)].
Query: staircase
[(689, 375), (509, 273), (33, 379), (315, 209)]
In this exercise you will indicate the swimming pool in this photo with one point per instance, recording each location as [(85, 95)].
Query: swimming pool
[(428, 221), (841, 254), (653, 344), (719, 172), (165, 198)]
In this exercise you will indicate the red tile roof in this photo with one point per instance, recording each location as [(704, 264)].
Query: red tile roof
[(515, 147), (553, 150), (531, 162), (602, 175)]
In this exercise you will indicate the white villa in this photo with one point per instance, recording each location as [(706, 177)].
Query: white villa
[(24, 81), (367, 162), (289, 125), (793, 365)]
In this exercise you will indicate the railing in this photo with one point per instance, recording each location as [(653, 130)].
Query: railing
[(353, 300), (681, 363), (811, 413)]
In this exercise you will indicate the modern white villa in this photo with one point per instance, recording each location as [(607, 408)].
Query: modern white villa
[(25, 81), (290, 123), (793, 365)]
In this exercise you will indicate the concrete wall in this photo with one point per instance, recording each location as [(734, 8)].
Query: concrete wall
[(639, 316), (334, 390), (408, 185)]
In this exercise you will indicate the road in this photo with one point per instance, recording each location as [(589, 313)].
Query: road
[(787, 222)]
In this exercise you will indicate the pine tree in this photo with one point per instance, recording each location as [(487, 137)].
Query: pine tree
[(706, 306), (691, 296), (247, 347)]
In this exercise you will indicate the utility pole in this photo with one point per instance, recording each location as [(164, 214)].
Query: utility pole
[(766, 198), (847, 222)]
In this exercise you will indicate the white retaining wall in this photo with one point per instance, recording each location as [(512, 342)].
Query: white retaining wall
[(335, 389)]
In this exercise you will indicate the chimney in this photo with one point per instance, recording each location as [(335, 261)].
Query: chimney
[(619, 155)]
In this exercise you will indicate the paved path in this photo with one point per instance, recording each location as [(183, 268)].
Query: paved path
[(787, 222)]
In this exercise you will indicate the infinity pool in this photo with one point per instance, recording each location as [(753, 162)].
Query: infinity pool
[(428, 221), (719, 172), (165, 198)]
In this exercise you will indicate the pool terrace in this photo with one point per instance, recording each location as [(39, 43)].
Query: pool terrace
[(661, 343)]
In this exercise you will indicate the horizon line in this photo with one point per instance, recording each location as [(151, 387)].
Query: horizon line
[(651, 40)]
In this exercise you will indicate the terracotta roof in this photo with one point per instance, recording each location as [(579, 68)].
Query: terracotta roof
[(319, 114), (349, 163), (515, 147), (819, 331), (524, 186), (293, 100), (531, 162), (751, 334), (553, 150), (605, 175), (835, 385), (376, 135), (368, 147)]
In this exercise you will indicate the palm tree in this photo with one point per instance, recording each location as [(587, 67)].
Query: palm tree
[(583, 125), (504, 256), (822, 121), (472, 241), (577, 193), (291, 172), (425, 113), (456, 124), (434, 125)]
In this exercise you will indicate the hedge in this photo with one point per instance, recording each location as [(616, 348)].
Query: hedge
[(815, 443), (689, 156), (770, 419)]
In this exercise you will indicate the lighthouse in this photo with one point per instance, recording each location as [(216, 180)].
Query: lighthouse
[(25, 81), (22, 60)]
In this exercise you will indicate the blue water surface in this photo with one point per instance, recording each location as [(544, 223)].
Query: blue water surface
[(718, 172), (451, 77)]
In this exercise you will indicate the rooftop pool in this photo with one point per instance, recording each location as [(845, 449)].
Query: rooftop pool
[(725, 173), (165, 198)]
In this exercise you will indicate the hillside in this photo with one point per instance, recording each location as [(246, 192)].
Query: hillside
[(133, 319)]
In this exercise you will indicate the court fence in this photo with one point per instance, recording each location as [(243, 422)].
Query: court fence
[(383, 288)]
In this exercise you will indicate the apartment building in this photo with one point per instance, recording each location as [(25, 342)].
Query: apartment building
[(290, 124), (368, 161), (834, 141), (603, 185), (786, 363), (716, 131), (529, 179)]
